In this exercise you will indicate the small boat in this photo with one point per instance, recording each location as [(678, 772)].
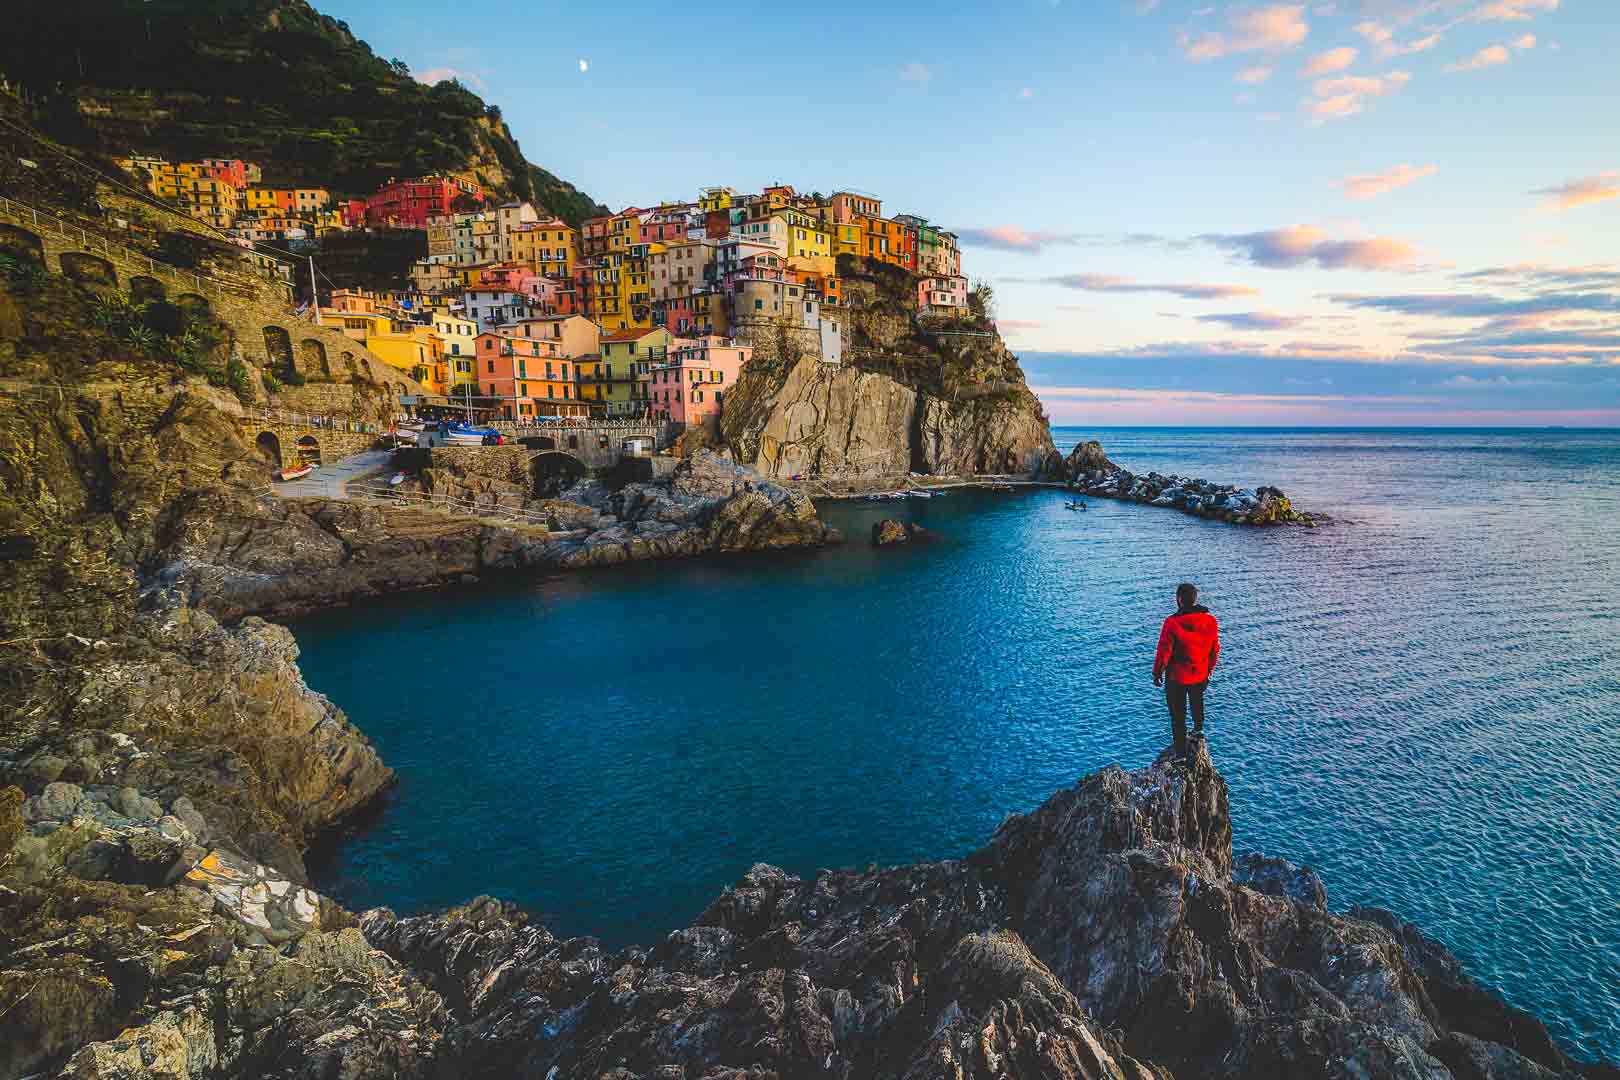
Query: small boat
[(296, 472), (1001, 487), (396, 480), (1074, 506), (466, 435)]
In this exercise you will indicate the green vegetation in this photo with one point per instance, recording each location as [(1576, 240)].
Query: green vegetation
[(270, 81)]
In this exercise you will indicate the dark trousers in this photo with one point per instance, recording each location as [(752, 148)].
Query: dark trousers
[(1178, 695)]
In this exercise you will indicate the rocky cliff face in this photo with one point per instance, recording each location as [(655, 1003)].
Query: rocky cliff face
[(821, 420), (911, 395)]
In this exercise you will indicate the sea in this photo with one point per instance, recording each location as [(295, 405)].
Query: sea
[(1421, 700)]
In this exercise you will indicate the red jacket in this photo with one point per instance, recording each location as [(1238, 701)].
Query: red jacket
[(1189, 644)]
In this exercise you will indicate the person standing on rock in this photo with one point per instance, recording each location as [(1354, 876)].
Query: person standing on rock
[(1189, 645)]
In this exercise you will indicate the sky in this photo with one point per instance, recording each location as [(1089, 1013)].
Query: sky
[(1356, 212)]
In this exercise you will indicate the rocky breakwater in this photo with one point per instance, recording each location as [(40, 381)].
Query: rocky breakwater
[(1088, 469)]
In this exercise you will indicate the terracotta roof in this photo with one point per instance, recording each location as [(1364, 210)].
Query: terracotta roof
[(630, 335)]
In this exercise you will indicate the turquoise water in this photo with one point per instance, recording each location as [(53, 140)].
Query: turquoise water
[(1423, 702)]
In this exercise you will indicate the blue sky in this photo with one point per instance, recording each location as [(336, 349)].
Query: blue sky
[(1360, 211)]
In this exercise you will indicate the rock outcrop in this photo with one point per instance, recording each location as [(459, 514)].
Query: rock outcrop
[(890, 532), (1089, 469)]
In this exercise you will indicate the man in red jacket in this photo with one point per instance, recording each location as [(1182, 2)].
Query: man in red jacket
[(1189, 645)]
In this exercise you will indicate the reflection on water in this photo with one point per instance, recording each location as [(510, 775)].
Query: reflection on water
[(1422, 703)]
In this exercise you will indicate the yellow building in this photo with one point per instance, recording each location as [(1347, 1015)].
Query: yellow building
[(848, 239), (607, 381), (410, 348), (358, 325), (716, 198), (546, 247)]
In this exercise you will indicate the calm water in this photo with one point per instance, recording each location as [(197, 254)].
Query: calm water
[(1423, 703)]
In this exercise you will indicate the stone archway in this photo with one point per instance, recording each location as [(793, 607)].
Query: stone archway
[(312, 359), (538, 442), (269, 446), (309, 450), (22, 245), (350, 368), (550, 471), (196, 307), (146, 289), (89, 269), (279, 351)]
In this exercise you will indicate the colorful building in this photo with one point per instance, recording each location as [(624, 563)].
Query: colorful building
[(608, 382), (527, 377), (691, 384), (408, 204), (942, 295)]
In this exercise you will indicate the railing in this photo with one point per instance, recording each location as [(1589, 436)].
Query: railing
[(317, 421), (382, 493)]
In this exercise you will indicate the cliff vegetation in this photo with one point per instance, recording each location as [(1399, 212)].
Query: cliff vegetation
[(269, 81)]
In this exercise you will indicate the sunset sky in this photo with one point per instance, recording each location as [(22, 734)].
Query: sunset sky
[(1351, 212)]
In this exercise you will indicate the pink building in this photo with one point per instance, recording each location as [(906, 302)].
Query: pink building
[(942, 295), (693, 385)]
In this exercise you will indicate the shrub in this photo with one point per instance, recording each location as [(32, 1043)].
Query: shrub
[(238, 379)]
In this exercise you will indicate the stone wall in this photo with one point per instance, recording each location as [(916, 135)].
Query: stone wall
[(265, 332)]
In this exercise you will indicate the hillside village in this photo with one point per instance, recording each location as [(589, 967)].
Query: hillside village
[(653, 311)]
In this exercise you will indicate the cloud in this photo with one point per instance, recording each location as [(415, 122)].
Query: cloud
[(1272, 29), (1384, 43), (1540, 275), (1514, 10), (1580, 192), (1480, 305), (1489, 56), (1329, 62), (1116, 284), (1371, 185), (1007, 326), (584, 65), (1528, 41), (1254, 320), (1253, 76), (434, 76), (1303, 245), (1143, 7), (1347, 95), (1013, 238), (1027, 92), (916, 72)]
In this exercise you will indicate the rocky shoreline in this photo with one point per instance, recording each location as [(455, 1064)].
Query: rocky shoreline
[(164, 768)]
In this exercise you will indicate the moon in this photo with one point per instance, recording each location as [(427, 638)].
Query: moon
[(584, 65)]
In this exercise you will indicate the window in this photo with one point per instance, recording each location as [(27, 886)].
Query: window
[(759, 305), (492, 367)]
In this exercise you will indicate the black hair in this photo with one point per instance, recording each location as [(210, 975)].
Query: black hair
[(1186, 594)]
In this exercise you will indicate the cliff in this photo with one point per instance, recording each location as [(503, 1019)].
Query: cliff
[(269, 81), (911, 395)]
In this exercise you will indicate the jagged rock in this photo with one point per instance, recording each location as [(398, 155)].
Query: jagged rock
[(273, 909), (1279, 877), (889, 531)]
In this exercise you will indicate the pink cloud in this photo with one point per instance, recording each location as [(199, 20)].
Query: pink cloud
[(1371, 185), (1490, 56), (1272, 29), (1383, 41), (1528, 41), (1304, 245), (434, 76), (1253, 76), (1329, 62), (1581, 192), (1348, 95), (1515, 10), (1014, 325)]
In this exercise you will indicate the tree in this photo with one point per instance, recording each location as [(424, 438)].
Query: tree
[(401, 68), (983, 300)]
